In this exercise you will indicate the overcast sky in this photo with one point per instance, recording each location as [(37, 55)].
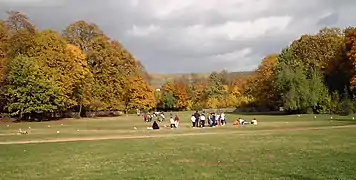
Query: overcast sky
[(175, 36)]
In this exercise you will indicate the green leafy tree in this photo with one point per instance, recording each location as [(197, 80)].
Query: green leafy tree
[(324, 52), (169, 101), (298, 91), (215, 88), (28, 91)]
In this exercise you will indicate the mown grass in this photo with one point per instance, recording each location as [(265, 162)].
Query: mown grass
[(251, 154)]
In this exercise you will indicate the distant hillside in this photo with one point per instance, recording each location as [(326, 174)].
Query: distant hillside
[(157, 80)]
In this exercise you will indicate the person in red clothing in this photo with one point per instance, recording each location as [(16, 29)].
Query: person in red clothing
[(176, 120), (145, 117)]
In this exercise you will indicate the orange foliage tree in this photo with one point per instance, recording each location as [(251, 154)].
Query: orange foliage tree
[(180, 92), (350, 34)]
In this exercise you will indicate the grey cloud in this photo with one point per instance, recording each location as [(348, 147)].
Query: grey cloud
[(171, 50)]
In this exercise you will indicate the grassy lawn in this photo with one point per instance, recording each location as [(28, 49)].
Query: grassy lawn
[(226, 153)]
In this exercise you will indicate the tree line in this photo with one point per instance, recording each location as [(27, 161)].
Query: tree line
[(44, 74), (314, 74)]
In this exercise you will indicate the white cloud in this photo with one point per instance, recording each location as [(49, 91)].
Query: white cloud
[(167, 34), (237, 55), (143, 30), (234, 29), (34, 3)]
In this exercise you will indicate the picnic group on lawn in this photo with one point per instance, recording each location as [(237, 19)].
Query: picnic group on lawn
[(198, 120)]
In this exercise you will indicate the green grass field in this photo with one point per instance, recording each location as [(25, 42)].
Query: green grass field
[(280, 147)]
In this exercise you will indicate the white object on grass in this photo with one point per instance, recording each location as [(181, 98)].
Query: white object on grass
[(135, 128), (331, 117), (77, 130), (7, 125), (49, 126), (57, 132), (61, 124), (314, 117)]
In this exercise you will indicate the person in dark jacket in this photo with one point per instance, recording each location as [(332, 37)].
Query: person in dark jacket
[(197, 117), (155, 125)]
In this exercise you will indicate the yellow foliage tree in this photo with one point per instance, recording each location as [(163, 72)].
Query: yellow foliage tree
[(65, 64), (262, 83), (180, 92), (139, 95), (212, 103)]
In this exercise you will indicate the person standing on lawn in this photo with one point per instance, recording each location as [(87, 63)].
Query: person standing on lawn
[(193, 120), (202, 120), (176, 120), (197, 117)]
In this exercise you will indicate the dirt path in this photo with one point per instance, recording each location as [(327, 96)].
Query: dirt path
[(116, 137)]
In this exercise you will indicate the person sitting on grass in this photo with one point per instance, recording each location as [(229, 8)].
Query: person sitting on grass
[(254, 121), (241, 121), (173, 124), (155, 125), (236, 123)]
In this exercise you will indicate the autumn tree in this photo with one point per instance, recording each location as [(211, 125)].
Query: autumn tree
[(82, 34), (82, 78), (3, 40), (108, 80), (215, 88), (3, 51), (167, 87), (197, 94), (111, 64), (29, 91), (350, 34), (263, 83), (65, 64), (215, 92), (3, 47), (324, 52), (21, 34), (225, 77), (180, 92), (139, 95)]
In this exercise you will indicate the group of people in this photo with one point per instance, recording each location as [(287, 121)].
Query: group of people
[(242, 122), (174, 122), (159, 116), (213, 119)]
